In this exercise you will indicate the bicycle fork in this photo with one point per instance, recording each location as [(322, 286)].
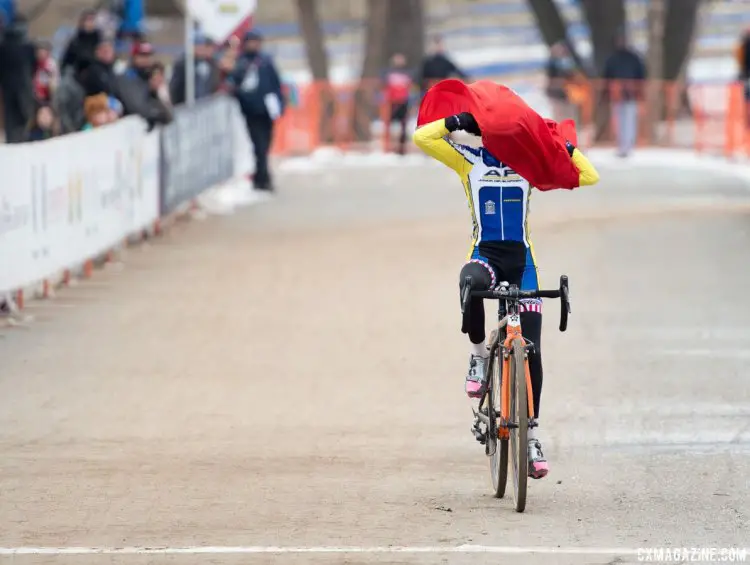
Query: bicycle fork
[(481, 427)]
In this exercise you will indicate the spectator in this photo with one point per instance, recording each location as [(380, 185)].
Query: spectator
[(743, 63), (46, 76), (7, 13), (69, 97), (437, 66), (625, 73), (743, 56), (398, 85), (207, 74), (133, 86), (256, 83), (129, 14), (17, 64), (43, 125), (227, 59), (84, 42), (561, 70), (100, 76), (159, 96), (97, 111)]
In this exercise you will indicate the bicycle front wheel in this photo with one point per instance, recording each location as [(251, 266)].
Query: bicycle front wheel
[(499, 457), (519, 416)]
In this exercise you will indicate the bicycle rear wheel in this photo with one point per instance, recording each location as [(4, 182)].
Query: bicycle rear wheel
[(499, 447), (519, 415)]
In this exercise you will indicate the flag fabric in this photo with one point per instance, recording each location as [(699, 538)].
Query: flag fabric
[(512, 131)]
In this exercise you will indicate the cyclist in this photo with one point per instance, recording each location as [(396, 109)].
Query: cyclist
[(501, 250)]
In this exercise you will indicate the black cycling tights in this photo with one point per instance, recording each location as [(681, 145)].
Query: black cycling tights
[(531, 323)]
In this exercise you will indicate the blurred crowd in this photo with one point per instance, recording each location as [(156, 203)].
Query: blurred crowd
[(567, 87), (404, 86), (89, 85), (43, 97)]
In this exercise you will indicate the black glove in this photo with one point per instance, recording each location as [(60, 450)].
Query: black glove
[(570, 147), (464, 121)]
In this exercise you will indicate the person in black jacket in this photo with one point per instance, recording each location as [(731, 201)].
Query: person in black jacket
[(257, 86), (100, 75), (437, 66), (625, 74), (17, 66), (84, 42)]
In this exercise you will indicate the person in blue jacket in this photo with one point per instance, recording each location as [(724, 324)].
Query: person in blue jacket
[(7, 13), (257, 85)]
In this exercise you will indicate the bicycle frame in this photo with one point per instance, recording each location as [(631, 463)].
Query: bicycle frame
[(495, 411), (508, 331), (512, 333), (510, 325)]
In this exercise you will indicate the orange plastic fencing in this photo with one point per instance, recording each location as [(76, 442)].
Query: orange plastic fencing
[(710, 118)]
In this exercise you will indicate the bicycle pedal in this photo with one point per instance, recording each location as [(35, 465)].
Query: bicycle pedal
[(479, 435)]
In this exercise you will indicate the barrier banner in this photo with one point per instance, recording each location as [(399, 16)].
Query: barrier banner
[(72, 198), (196, 151)]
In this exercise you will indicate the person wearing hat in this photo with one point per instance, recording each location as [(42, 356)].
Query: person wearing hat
[(256, 84), (133, 85), (206, 72)]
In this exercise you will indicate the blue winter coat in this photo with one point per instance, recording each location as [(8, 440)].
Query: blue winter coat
[(253, 78)]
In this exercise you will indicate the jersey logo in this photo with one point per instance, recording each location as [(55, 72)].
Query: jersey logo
[(489, 208), (506, 175)]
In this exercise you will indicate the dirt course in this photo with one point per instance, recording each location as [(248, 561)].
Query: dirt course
[(292, 376)]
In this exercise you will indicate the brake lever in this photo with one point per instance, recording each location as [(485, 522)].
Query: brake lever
[(565, 299), (465, 295)]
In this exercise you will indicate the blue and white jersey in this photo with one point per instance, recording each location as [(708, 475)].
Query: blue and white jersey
[(498, 197)]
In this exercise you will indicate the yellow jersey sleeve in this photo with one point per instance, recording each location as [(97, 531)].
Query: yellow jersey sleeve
[(587, 174), (431, 138)]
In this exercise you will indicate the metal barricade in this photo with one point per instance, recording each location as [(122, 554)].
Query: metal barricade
[(197, 151)]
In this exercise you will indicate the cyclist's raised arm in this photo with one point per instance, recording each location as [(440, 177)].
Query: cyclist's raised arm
[(587, 174), (431, 138)]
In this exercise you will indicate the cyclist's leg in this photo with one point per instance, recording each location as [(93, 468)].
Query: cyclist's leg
[(531, 322), (482, 278)]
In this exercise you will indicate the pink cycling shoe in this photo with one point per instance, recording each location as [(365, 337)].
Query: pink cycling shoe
[(475, 376), (538, 466)]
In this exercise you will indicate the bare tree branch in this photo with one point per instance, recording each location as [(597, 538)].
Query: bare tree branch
[(312, 33), (553, 27)]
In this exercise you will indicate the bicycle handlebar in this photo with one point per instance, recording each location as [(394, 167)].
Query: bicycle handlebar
[(505, 293), (515, 294)]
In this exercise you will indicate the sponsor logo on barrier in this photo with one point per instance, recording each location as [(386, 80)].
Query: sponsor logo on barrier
[(13, 217), (72, 198), (75, 198)]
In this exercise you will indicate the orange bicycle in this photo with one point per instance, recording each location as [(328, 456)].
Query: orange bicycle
[(501, 420)]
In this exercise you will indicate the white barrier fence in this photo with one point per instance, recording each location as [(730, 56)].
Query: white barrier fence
[(68, 200)]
